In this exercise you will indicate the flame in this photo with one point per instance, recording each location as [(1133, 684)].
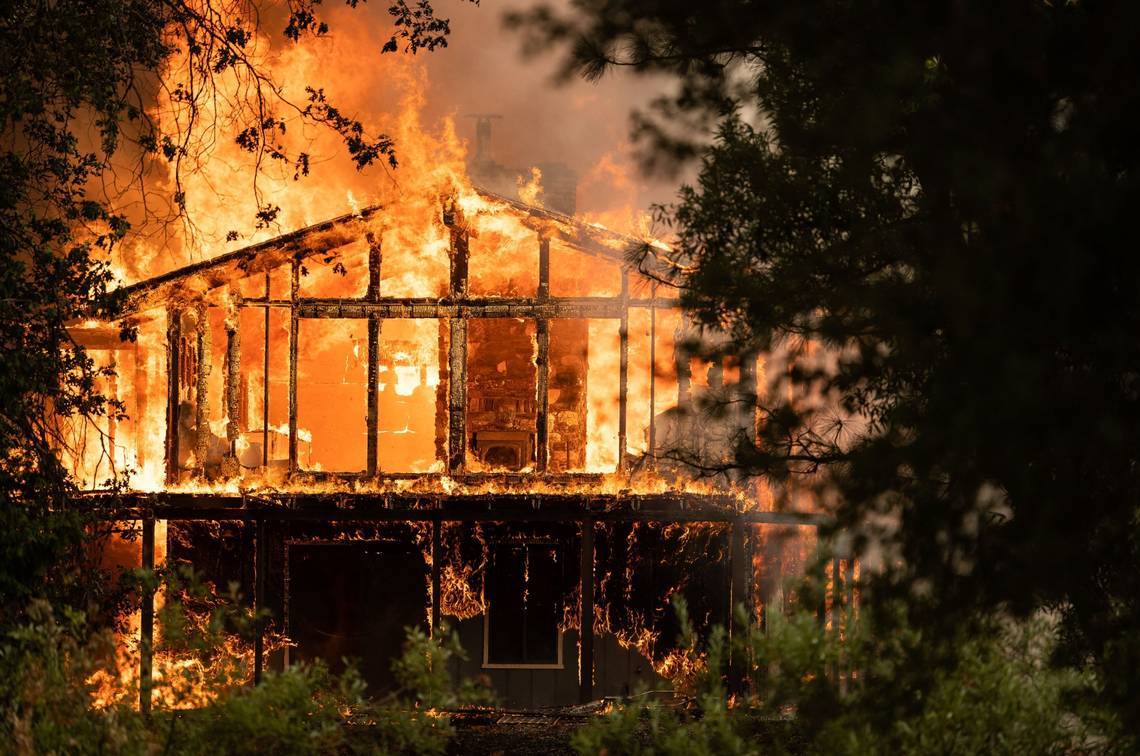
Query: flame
[(242, 446)]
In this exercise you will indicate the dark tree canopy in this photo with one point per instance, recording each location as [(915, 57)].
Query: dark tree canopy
[(944, 195)]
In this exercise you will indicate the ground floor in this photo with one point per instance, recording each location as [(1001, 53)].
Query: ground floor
[(344, 576)]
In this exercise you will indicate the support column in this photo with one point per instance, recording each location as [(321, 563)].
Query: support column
[(586, 633), (543, 268), (265, 389), (232, 386), (436, 571), (374, 259), (173, 373), (373, 394), (457, 359), (294, 286), (146, 619), (623, 369), (261, 559), (201, 390), (542, 364), (542, 396), (457, 397), (653, 375)]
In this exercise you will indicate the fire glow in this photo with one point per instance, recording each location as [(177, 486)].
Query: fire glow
[(433, 338)]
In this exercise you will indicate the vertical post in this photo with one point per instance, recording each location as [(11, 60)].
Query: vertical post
[(542, 396), (623, 369), (586, 635), (374, 260), (373, 394), (173, 371), (542, 363), (543, 268), (261, 558), (146, 618), (436, 570), (375, 257), (294, 286), (265, 388), (232, 386), (201, 390), (653, 374), (457, 397), (460, 252), (457, 359)]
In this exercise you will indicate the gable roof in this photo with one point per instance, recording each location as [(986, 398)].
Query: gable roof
[(195, 279)]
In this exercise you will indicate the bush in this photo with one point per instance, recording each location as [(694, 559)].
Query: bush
[(47, 667), (996, 693)]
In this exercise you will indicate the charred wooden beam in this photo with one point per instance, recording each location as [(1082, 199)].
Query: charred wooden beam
[(232, 389), (373, 430), (173, 370), (542, 395), (430, 307), (586, 631), (543, 268), (375, 257), (442, 417), (255, 258), (265, 387), (459, 261), (457, 359), (588, 238), (412, 507), (623, 370), (294, 286), (374, 260), (146, 619), (652, 375), (457, 396), (201, 391)]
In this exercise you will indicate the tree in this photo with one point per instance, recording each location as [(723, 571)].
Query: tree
[(941, 194), (78, 84)]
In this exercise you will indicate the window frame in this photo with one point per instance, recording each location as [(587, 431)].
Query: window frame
[(488, 664)]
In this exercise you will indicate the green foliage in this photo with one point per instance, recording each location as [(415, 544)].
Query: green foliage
[(299, 711), (305, 710), (708, 727), (44, 670), (999, 695), (203, 700)]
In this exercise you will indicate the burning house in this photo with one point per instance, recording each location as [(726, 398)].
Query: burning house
[(446, 410)]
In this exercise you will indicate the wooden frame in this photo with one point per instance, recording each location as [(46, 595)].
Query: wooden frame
[(560, 664)]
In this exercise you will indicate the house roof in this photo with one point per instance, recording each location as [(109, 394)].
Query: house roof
[(195, 279)]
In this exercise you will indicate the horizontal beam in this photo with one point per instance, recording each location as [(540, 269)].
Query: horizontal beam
[(256, 258), (562, 307), (672, 507)]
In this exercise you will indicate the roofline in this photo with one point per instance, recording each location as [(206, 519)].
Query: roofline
[(586, 237)]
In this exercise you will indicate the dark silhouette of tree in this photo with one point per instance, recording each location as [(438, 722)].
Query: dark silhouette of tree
[(943, 195)]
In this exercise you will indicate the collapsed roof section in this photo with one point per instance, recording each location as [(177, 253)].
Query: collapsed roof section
[(190, 282)]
